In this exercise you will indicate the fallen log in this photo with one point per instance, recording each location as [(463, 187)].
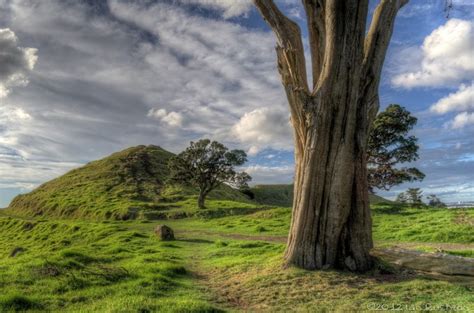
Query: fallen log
[(459, 268)]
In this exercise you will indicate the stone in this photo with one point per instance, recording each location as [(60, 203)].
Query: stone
[(164, 232)]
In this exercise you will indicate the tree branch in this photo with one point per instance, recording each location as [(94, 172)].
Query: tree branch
[(290, 51), (316, 31), (375, 48)]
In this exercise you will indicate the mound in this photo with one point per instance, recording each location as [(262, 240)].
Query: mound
[(110, 186), (282, 195), (124, 185)]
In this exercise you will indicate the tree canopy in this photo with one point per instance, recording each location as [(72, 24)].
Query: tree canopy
[(390, 145), (412, 196), (434, 201), (206, 165)]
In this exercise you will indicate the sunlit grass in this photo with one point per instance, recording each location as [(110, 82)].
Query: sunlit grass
[(120, 266)]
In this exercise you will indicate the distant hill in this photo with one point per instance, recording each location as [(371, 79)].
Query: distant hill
[(124, 185), (279, 195), (131, 184), (282, 195)]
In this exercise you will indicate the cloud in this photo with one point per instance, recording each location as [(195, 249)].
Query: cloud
[(264, 128), (262, 174), (13, 115), (228, 8), (462, 120), (446, 57), (461, 100), (15, 62), (104, 68), (174, 119)]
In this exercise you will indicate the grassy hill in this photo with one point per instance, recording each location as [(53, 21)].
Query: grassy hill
[(131, 184), (282, 195), (125, 185)]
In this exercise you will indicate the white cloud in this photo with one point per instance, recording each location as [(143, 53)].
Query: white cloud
[(262, 174), (13, 115), (461, 100), (15, 62), (174, 119), (157, 113), (447, 57), (262, 128), (229, 8), (462, 120)]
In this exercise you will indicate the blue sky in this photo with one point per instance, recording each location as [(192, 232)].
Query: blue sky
[(82, 79)]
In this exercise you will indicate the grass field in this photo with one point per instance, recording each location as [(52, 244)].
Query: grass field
[(218, 263)]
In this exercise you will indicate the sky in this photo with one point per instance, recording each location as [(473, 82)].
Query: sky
[(80, 79)]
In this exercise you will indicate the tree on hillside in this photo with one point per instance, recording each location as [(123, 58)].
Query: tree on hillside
[(206, 165), (434, 201), (402, 198), (414, 197), (331, 224), (389, 145)]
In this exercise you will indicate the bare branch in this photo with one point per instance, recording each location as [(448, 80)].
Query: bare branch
[(290, 49), (316, 31), (376, 45)]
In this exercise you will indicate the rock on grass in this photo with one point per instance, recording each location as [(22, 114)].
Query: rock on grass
[(164, 232)]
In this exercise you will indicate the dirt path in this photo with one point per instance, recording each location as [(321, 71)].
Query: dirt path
[(282, 239), (436, 245)]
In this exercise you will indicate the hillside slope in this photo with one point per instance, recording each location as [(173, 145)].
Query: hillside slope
[(124, 185), (282, 195)]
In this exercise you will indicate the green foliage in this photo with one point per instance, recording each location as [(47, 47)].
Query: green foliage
[(412, 196), (390, 145), (434, 201), (206, 165)]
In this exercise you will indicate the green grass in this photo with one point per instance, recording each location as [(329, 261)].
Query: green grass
[(120, 266), (390, 224), (93, 267), (393, 223), (253, 277)]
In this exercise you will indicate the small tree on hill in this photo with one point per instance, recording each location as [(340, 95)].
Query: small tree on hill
[(389, 145), (434, 201), (206, 165), (414, 196), (402, 198)]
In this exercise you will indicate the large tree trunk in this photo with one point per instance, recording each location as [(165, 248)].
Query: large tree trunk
[(331, 223)]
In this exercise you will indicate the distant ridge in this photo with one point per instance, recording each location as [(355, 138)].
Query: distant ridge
[(282, 195)]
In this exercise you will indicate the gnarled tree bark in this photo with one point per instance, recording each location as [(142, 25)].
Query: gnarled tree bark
[(331, 222)]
